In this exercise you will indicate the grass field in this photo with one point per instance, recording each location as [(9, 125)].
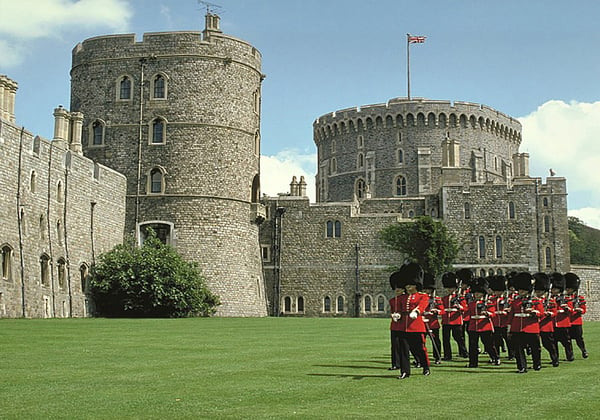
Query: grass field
[(265, 368)]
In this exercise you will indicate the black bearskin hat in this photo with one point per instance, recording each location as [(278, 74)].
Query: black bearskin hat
[(449, 280), (497, 283), (523, 281), (479, 285), (510, 279), (396, 281), (428, 281), (465, 276), (572, 281), (542, 282), (412, 273), (558, 281)]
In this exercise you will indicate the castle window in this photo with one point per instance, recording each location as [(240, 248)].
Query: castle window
[(498, 247), (45, 270), (59, 232), (84, 272), (546, 224), (400, 187), (287, 304), (367, 303), (158, 131), (62, 273), (59, 192), (545, 201), (32, 181), (96, 171), (333, 146), (6, 263), (548, 257), (256, 100), (360, 161), (159, 87), (482, 272), (334, 229), (300, 304), (327, 304), (399, 156), (97, 133), (511, 210), (467, 209), (361, 139), (257, 143), (156, 181), (125, 88), (333, 165), (42, 226), (361, 188), (340, 304), (481, 242), (399, 137), (36, 145), (265, 252), (380, 304), (162, 230)]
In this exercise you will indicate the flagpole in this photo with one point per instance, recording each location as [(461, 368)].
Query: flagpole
[(408, 65)]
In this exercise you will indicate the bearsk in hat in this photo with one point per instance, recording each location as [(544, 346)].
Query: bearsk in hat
[(449, 280), (572, 281), (541, 282), (558, 281), (412, 273), (428, 281), (523, 281), (497, 283), (465, 276)]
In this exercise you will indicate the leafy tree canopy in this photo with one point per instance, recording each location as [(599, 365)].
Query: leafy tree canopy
[(149, 281), (584, 243), (424, 241)]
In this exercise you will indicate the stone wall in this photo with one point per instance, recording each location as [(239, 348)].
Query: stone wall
[(590, 288)]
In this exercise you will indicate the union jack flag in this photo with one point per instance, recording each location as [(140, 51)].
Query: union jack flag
[(416, 39)]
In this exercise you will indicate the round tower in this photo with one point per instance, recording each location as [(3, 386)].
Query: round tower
[(410, 148), (178, 114)]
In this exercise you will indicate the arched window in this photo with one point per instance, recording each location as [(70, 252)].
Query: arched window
[(159, 87), (548, 257), (300, 304), (337, 229), (43, 227), (62, 273), (156, 181), (158, 131), (333, 166), (481, 247), (162, 230), (367, 303), (287, 304), (59, 192), (45, 270), (511, 210), (400, 187), (330, 229), (360, 161), (125, 88), (482, 272), (399, 156), (498, 247), (327, 304), (340, 304), (545, 201), (467, 208), (546, 224), (380, 304), (6, 263), (84, 272), (32, 181), (333, 146), (59, 232), (97, 133), (361, 188), (361, 140)]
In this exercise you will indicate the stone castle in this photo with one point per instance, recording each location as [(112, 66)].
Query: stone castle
[(164, 133)]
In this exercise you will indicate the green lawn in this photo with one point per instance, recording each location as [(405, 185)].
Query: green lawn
[(264, 368)]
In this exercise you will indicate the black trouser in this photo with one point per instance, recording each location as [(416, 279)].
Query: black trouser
[(561, 335), (500, 339), (576, 333), (521, 340), (412, 342), (434, 335), (395, 341), (550, 346), (486, 339), (457, 335)]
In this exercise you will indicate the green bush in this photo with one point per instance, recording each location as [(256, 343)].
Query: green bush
[(151, 281)]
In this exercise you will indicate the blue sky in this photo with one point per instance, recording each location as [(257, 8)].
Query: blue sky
[(535, 60)]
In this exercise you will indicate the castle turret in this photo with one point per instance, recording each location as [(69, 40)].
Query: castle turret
[(187, 143), (8, 92)]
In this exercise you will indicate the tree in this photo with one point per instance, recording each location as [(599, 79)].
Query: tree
[(149, 281), (584, 243), (424, 241)]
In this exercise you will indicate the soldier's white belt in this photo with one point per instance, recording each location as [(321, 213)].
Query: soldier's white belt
[(478, 316), (522, 315)]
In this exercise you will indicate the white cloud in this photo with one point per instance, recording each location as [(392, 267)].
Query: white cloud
[(566, 137), (277, 172), (28, 20)]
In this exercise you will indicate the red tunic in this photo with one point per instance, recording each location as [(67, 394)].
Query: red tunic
[(408, 303), (501, 304), (395, 307), (454, 306), (547, 319), (481, 314), (563, 314), (521, 317), (435, 308), (579, 308)]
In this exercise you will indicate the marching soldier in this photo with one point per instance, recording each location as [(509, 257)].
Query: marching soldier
[(412, 304), (452, 320), (562, 321), (542, 287), (481, 312), (398, 287), (579, 308), (465, 279), (523, 324), (431, 315), (501, 303)]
